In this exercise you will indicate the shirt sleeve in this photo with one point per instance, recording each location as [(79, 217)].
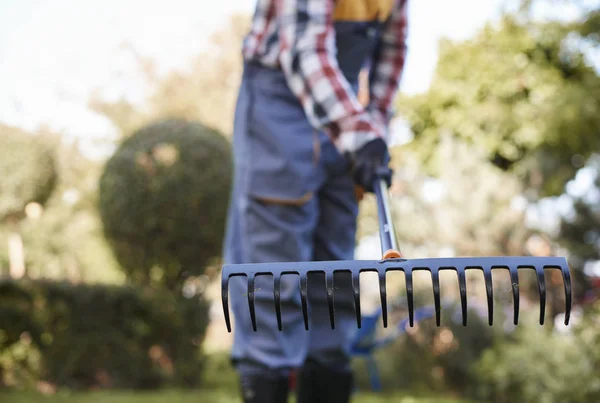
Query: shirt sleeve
[(308, 60), (386, 70)]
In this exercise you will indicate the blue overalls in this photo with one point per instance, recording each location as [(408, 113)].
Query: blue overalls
[(293, 200)]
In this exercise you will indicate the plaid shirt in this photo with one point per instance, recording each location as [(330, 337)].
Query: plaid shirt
[(298, 36)]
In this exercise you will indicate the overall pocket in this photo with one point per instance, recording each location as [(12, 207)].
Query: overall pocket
[(282, 146)]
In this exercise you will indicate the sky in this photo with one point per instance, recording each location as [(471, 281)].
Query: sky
[(54, 54)]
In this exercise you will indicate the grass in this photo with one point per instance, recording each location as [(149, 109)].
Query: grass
[(219, 386), (176, 396)]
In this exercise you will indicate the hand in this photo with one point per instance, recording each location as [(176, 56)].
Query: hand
[(371, 162)]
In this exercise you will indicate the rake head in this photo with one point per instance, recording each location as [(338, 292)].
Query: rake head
[(408, 266), (393, 261)]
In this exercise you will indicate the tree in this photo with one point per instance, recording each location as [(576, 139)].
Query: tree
[(163, 200), (66, 240), (580, 231), (27, 178), (206, 91), (521, 91)]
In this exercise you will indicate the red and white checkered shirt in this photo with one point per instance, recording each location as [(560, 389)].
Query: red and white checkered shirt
[(298, 36)]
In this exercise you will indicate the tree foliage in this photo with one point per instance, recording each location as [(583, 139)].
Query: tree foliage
[(206, 90), (521, 91), (27, 171), (583, 227), (66, 240), (163, 200), (543, 367), (580, 231)]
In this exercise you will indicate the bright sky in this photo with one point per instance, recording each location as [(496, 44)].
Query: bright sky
[(53, 54)]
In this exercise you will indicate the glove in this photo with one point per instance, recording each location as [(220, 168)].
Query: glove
[(369, 163)]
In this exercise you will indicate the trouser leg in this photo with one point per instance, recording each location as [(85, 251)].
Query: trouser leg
[(266, 232), (268, 154), (268, 349), (264, 389), (326, 376), (320, 384)]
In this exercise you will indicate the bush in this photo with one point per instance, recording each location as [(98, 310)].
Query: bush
[(430, 359), (163, 201), (540, 366), (101, 336), (439, 358), (20, 362)]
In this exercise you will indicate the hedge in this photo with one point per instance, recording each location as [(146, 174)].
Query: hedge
[(99, 336)]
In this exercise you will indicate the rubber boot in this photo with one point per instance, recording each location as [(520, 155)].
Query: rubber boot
[(260, 389), (318, 384)]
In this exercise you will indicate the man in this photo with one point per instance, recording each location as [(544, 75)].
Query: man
[(302, 142)]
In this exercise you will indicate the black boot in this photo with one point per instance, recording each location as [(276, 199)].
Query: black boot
[(318, 384), (258, 389)]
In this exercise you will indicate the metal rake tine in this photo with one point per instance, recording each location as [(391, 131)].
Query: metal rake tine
[(542, 289), (567, 281), (462, 286), (383, 295), (514, 279), (251, 300), (435, 281), (356, 292), (489, 289), (277, 297), (329, 286), (303, 293), (225, 301), (409, 296)]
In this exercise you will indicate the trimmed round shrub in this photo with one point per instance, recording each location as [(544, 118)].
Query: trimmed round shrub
[(163, 200)]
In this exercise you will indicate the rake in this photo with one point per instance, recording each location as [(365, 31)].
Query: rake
[(393, 261)]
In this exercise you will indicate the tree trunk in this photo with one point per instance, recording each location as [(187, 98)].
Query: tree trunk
[(16, 255)]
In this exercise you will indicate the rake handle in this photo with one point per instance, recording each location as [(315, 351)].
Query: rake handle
[(387, 232)]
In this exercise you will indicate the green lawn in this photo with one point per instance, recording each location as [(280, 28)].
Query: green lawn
[(173, 396), (219, 386)]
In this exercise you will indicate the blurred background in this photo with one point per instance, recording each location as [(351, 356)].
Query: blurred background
[(112, 211)]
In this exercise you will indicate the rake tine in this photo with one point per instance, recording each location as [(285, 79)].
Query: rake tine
[(225, 301), (303, 293), (567, 281), (277, 298), (409, 296), (435, 280), (329, 286), (542, 288), (462, 286), (356, 292), (251, 300), (489, 288), (514, 279), (383, 295)]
